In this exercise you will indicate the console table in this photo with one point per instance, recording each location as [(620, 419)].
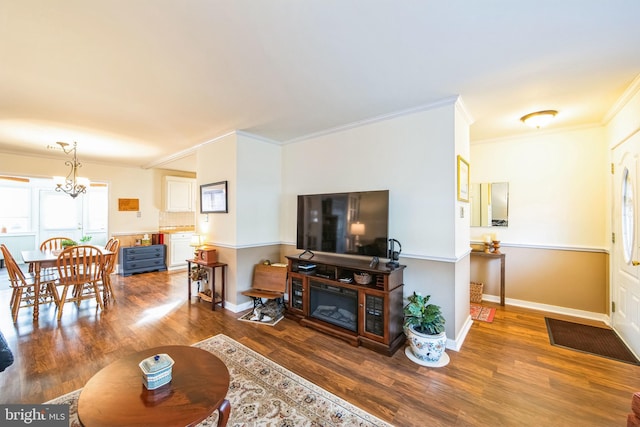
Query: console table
[(501, 257), (212, 267)]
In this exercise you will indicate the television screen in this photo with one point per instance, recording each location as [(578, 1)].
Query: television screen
[(344, 223)]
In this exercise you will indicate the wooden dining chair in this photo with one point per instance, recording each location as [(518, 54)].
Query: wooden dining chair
[(113, 245), (50, 244), (110, 242), (23, 286), (79, 269), (53, 244)]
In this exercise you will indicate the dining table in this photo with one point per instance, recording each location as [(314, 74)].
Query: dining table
[(39, 259)]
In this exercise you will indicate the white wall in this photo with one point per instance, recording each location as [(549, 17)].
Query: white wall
[(259, 184), (462, 218), (558, 186), (252, 169), (412, 156), (217, 161)]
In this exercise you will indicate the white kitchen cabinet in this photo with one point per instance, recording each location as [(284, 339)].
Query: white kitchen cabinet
[(179, 249), (180, 194)]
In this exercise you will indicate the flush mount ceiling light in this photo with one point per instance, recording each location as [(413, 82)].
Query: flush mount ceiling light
[(539, 119)]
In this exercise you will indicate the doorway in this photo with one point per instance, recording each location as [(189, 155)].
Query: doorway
[(60, 216), (86, 215), (625, 256)]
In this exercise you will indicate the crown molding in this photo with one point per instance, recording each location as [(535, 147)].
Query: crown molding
[(173, 157), (538, 133), (425, 107), (461, 107), (184, 153), (628, 94), (258, 137)]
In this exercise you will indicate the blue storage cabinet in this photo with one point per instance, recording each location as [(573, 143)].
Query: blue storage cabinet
[(142, 259)]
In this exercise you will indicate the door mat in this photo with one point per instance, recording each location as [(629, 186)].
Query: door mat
[(484, 314), (264, 321), (599, 341)]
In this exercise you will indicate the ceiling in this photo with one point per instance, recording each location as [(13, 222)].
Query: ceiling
[(142, 82)]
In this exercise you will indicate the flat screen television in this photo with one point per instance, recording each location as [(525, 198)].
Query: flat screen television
[(344, 223)]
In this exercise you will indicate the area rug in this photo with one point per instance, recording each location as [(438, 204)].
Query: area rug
[(247, 318), (484, 314), (263, 393), (599, 341)]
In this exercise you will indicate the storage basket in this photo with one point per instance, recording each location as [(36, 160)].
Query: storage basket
[(476, 292), (362, 278)]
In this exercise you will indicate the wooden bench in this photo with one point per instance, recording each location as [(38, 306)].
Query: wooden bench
[(269, 282)]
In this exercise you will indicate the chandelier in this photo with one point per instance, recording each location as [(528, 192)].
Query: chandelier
[(72, 184)]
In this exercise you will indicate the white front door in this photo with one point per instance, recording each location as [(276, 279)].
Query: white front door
[(625, 285)]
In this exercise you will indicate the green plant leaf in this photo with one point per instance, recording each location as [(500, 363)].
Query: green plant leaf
[(424, 317)]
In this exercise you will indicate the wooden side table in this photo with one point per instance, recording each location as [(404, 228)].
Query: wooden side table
[(212, 267), (502, 262), (115, 396)]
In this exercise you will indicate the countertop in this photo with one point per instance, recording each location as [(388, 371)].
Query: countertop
[(177, 229)]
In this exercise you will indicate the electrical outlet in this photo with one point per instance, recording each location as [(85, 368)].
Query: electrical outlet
[(139, 214), (461, 211)]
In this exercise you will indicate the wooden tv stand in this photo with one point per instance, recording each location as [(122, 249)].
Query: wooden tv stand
[(378, 317)]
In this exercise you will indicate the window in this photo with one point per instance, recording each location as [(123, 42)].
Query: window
[(628, 216), (31, 205), (15, 209)]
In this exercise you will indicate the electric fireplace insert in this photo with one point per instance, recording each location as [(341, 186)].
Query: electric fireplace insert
[(334, 304)]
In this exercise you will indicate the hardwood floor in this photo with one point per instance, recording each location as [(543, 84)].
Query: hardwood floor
[(507, 373)]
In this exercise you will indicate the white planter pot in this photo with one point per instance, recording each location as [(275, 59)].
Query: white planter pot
[(426, 350)]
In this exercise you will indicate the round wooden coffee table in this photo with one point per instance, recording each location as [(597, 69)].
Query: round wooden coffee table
[(115, 396)]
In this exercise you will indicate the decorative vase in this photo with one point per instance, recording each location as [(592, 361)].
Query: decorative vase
[(425, 349)]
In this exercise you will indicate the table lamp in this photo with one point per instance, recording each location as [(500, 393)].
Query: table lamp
[(196, 242)]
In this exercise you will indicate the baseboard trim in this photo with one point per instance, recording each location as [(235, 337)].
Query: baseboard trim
[(456, 344), (602, 317), (238, 308)]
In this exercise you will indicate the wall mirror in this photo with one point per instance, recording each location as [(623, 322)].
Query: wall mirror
[(489, 204)]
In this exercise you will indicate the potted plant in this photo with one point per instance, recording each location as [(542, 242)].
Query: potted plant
[(85, 239), (66, 243), (424, 328)]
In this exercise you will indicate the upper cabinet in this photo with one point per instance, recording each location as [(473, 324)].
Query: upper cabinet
[(180, 194)]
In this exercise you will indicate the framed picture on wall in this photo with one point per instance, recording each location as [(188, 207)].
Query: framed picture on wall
[(213, 198), (463, 180)]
